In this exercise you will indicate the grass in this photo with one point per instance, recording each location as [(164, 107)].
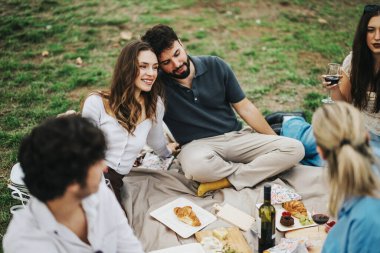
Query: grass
[(277, 51)]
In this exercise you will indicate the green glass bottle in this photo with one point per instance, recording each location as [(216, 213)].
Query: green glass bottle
[(267, 222)]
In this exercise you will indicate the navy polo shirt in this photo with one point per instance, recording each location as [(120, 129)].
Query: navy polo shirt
[(205, 109)]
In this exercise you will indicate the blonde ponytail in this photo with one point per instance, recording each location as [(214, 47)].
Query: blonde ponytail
[(341, 134)]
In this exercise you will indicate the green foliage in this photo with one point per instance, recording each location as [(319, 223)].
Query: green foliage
[(233, 45), (151, 20), (201, 34), (102, 21), (258, 92), (56, 48), (313, 101), (5, 202), (10, 140)]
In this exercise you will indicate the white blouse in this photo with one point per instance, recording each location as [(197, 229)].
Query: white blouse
[(122, 147), (371, 119)]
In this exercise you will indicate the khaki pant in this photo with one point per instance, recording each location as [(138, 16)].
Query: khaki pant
[(244, 157)]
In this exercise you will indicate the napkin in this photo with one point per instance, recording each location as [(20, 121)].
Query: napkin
[(281, 194)]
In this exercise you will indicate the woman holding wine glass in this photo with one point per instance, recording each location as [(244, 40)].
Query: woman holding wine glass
[(360, 82), (359, 85), (353, 176)]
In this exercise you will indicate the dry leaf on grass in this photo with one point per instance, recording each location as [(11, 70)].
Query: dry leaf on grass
[(126, 35), (79, 61), (67, 113), (322, 21)]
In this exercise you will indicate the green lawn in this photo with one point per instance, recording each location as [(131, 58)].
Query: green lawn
[(278, 50)]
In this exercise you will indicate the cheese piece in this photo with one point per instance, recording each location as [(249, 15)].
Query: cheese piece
[(220, 233), (211, 245)]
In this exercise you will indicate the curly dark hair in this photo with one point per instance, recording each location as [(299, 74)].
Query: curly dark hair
[(364, 76), (59, 152), (160, 37)]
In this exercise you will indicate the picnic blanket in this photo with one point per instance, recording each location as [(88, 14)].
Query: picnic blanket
[(146, 190)]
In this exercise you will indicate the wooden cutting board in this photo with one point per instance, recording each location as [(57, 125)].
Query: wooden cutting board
[(312, 233), (235, 239)]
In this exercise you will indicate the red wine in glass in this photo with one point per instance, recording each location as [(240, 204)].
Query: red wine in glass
[(332, 75), (320, 218), (333, 79)]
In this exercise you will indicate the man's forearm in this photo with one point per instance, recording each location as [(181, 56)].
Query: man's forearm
[(253, 117)]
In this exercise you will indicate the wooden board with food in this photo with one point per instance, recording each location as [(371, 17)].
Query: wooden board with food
[(226, 240)]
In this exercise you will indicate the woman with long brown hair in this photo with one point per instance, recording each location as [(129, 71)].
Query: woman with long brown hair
[(130, 113), (360, 83), (353, 176)]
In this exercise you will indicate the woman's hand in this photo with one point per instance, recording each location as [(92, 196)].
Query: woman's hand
[(330, 86), (174, 148)]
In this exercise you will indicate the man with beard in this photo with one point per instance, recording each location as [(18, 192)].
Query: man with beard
[(202, 93), (71, 208)]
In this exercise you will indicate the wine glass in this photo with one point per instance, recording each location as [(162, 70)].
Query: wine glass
[(319, 216), (333, 75)]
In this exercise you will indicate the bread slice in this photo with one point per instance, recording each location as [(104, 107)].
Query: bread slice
[(296, 208), (187, 215)]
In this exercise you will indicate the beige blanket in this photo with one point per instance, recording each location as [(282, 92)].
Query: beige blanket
[(146, 190)]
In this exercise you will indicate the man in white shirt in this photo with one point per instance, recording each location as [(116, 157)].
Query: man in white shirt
[(71, 208)]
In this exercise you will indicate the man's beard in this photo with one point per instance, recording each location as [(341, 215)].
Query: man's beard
[(185, 74)]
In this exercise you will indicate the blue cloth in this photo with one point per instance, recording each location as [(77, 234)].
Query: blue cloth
[(297, 128), (375, 144), (357, 229), (301, 130)]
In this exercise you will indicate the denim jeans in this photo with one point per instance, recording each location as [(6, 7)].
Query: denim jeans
[(299, 129)]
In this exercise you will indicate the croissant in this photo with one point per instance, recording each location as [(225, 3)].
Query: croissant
[(296, 208), (187, 215)]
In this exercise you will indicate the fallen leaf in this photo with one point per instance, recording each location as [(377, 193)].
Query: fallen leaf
[(45, 53), (79, 61), (67, 113), (126, 35), (322, 21)]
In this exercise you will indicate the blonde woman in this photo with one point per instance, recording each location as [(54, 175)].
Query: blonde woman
[(342, 140)]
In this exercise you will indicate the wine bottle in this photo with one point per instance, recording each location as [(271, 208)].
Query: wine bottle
[(267, 221)]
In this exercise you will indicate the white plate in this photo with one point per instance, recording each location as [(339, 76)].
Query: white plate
[(166, 215), (297, 224), (186, 248)]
